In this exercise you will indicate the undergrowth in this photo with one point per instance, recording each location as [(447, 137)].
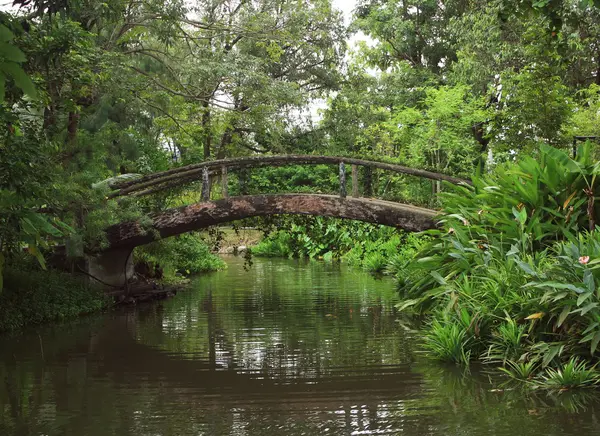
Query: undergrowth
[(512, 277), (377, 249), (33, 296), (179, 256)]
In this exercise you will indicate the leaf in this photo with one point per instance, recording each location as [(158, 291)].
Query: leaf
[(5, 33), (38, 255), (595, 342), (557, 285), (583, 297), (11, 53), (563, 315), (585, 309), (588, 280), (406, 304), (520, 215), (537, 315), (525, 267), (21, 78), (561, 157), (568, 200), (591, 327), (551, 354), (438, 278)]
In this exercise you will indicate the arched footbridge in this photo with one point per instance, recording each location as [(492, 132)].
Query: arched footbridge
[(113, 265)]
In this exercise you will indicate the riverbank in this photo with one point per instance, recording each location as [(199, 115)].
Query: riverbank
[(512, 275), (31, 297)]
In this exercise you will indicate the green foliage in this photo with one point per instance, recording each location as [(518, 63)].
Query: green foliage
[(113, 97), (522, 206), (35, 297), (11, 58), (275, 245), (449, 341), (293, 179), (315, 237), (507, 345), (377, 249), (521, 371), (573, 374), (514, 250), (185, 254)]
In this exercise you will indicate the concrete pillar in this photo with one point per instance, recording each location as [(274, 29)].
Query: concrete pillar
[(112, 267)]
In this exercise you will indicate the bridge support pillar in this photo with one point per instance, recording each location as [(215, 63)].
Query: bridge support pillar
[(112, 267)]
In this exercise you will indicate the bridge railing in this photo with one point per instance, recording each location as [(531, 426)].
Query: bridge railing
[(162, 181)]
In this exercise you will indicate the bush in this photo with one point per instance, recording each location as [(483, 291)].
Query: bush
[(514, 253), (275, 245), (377, 249), (184, 254), (449, 342), (529, 204)]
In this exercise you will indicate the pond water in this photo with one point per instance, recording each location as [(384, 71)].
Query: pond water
[(286, 348)]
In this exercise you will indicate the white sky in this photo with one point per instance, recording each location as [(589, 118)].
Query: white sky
[(346, 6)]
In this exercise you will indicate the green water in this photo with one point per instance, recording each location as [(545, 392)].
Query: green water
[(286, 348)]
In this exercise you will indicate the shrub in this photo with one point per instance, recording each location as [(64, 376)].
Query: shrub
[(184, 254), (448, 341), (573, 374), (514, 251), (529, 204)]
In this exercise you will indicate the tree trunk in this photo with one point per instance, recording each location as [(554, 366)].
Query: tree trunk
[(72, 126)]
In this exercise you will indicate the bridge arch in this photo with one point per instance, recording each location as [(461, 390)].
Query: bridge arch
[(114, 265), (205, 214)]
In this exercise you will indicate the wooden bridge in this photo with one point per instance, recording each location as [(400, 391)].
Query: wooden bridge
[(114, 264)]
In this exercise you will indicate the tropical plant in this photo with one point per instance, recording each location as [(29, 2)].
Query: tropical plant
[(521, 207), (573, 374), (522, 371), (449, 341)]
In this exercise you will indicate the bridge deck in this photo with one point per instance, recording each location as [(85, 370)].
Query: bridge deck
[(204, 214)]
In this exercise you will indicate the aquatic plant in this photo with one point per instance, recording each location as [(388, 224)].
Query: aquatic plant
[(506, 343), (448, 342), (573, 374), (522, 371)]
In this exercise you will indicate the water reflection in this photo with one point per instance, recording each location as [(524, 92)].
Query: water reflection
[(287, 348)]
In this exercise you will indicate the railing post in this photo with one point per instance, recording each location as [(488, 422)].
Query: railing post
[(224, 187), (205, 185), (342, 180), (355, 181)]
